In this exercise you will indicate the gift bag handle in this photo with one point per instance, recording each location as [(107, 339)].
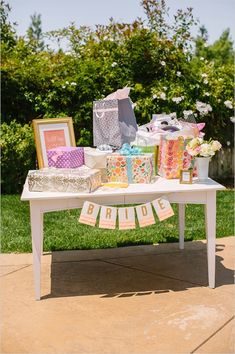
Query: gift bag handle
[(97, 110)]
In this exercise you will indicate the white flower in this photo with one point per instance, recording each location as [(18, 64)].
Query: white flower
[(206, 150), (187, 113), (207, 94), (154, 96), (73, 84), (163, 63), (163, 95), (67, 83), (204, 75), (232, 119), (63, 86), (178, 73), (201, 58), (205, 82), (203, 108), (164, 88), (177, 99), (228, 143), (216, 145), (113, 64), (228, 104)]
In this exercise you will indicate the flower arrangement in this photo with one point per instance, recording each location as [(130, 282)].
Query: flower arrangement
[(198, 147)]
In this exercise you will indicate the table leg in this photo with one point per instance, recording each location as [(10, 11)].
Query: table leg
[(210, 211), (36, 218), (181, 209)]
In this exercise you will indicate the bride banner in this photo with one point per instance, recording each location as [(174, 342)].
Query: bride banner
[(126, 215)]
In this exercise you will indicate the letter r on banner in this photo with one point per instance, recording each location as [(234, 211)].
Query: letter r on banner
[(89, 213), (163, 208), (108, 217)]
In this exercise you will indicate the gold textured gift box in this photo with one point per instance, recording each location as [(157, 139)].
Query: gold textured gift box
[(74, 180)]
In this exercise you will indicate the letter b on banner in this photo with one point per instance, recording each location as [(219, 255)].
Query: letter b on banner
[(89, 213)]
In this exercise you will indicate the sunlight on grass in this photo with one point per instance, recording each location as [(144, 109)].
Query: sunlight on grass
[(63, 232)]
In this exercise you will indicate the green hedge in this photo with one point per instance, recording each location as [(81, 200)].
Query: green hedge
[(18, 155)]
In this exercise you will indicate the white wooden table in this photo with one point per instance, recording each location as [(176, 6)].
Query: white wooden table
[(196, 193)]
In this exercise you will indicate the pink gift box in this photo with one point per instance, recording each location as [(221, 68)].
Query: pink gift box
[(65, 157)]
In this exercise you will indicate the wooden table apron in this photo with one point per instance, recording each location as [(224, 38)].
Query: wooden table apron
[(203, 193)]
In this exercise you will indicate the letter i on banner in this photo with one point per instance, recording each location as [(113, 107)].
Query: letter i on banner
[(163, 208), (145, 214), (108, 217), (89, 213), (126, 217)]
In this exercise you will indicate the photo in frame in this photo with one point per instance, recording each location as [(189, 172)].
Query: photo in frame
[(186, 176), (51, 133)]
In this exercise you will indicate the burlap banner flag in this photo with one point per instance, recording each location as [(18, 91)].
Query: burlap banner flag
[(108, 217), (145, 214), (126, 217), (89, 213), (163, 208)]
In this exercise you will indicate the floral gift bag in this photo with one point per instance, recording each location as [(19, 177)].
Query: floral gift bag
[(173, 156)]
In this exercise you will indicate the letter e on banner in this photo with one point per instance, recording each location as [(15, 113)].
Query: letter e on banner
[(89, 213), (126, 217), (108, 217), (163, 208), (145, 214)]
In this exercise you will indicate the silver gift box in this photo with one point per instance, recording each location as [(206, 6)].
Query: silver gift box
[(82, 179)]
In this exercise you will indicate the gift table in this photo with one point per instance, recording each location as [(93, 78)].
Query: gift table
[(181, 194)]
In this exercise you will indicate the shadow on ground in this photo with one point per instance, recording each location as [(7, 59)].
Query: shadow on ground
[(136, 274)]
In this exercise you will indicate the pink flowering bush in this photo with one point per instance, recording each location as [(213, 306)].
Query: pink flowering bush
[(198, 147)]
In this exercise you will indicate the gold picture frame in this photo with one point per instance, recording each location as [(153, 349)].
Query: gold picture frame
[(186, 176), (51, 133)]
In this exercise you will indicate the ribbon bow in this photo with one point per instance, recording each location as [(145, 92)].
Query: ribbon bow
[(56, 155), (127, 150)]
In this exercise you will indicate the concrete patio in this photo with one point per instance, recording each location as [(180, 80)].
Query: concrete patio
[(143, 299)]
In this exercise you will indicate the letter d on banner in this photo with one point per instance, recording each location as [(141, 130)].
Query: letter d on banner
[(89, 213), (145, 214)]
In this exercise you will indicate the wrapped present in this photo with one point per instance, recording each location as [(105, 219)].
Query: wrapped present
[(152, 150), (173, 156), (148, 141), (95, 158), (65, 157), (82, 179), (129, 165)]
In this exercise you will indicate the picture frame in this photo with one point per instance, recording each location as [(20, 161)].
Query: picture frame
[(186, 176), (51, 133)]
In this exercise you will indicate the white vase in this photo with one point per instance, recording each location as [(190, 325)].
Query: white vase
[(202, 164)]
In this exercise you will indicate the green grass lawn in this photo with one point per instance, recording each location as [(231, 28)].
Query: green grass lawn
[(63, 232)]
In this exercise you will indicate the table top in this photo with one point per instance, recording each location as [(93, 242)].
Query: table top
[(161, 185)]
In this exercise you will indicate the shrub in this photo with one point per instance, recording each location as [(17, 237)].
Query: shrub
[(18, 155)]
